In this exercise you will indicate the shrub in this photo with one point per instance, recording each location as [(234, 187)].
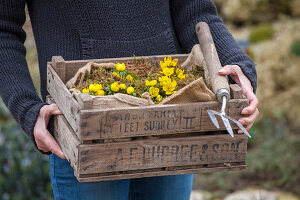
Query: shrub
[(261, 32), (23, 170), (295, 48)]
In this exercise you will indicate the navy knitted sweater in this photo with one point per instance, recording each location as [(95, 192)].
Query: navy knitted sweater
[(77, 29)]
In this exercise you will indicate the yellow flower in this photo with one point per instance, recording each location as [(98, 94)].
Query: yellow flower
[(122, 86), (92, 88), (163, 64), (116, 74), (129, 77), (159, 98), (169, 88), (169, 62), (85, 90), (114, 87), (154, 91), (178, 70), (120, 67), (151, 83), (168, 71), (101, 92), (97, 87), (130, 90), (164, 80), (181, 75), (174, 62)]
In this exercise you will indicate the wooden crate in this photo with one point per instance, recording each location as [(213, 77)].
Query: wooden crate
[(133, 142)]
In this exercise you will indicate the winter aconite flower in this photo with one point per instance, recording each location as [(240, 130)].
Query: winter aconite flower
[(163, 64), (92, 88), (178, 70), (164, 80), (170, 88), (98, 87), (151, 83), (181, 75), (169, 62), (116, 74), (101, 92), (154, 91), (130, 90), (95, 87), (120, 67), (122, 86), (129, 77), (168, 71), (85, 90), (114, 87), (159, 98)]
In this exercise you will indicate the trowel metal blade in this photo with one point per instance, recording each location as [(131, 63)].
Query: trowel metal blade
[(213, 118), (227, 125), (239, 125)]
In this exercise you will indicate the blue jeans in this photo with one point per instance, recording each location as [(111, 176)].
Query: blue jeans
[(65, 186)]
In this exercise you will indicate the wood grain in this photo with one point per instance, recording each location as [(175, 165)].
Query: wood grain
[(66, 138), (236, 92), (85, 101), (59, 65), (63, 98), (197, 169), (161, 152), (152, 120)]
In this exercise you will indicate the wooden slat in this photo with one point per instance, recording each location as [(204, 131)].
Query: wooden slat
[(157, 172), (63, 98), (69, 145), (236, 91), (66, 138), (85, 101), (152, 120), (59, 65), (161, 152)]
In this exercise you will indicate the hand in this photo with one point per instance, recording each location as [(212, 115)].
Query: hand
[(238, 76), (44, 140)]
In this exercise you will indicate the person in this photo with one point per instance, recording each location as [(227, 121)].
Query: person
[(100, 29)]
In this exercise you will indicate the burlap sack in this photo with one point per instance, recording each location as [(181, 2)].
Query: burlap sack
[(85, 70), (197, 91)]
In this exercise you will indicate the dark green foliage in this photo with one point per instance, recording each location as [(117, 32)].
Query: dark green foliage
[(272, 161), (295, 48), (261, 32), (23, 170)]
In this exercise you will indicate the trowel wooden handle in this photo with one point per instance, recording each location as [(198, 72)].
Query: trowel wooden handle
[(219, 83)]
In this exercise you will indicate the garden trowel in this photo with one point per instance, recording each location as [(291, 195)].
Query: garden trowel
[(219, 83)]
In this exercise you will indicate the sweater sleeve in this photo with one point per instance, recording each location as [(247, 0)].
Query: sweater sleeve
[(186, 14), (16, 86)]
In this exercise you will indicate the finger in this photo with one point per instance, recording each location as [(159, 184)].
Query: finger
[(250, 119), (253, 104), (54, 147), (54, 110), (226, 70), (45, 142), (233, 71), (249, 126)]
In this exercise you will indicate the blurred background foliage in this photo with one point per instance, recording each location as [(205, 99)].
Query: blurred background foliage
[(269, 32)]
